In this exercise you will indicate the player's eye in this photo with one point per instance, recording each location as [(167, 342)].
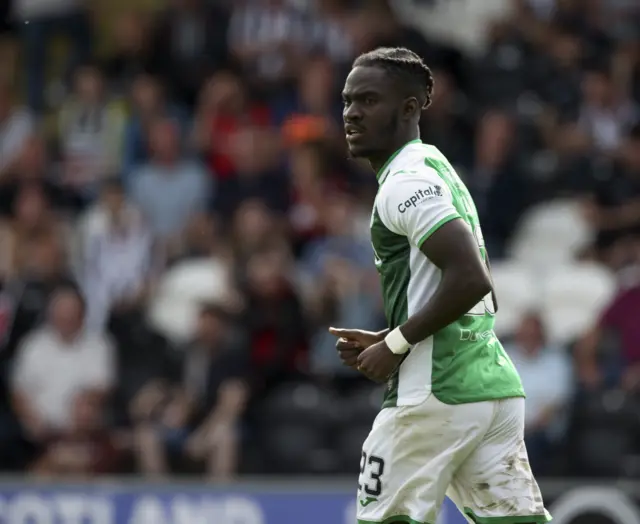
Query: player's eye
[(370, 100), (345, 102)]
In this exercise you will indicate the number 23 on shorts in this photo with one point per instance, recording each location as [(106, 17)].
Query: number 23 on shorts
[(370, 481)]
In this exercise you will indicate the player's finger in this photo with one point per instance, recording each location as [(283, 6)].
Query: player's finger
[(349, 334), (343, 343), (349, 357)]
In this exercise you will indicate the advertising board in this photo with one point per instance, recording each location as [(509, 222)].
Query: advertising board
[(119, 502)]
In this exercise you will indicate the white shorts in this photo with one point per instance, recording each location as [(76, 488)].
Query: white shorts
[(473, 453)]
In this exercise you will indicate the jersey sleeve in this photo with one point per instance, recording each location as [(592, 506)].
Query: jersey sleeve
[(415, 204)]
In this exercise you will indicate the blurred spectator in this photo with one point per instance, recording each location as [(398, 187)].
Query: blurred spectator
[(342, 295), (255, 154), (608, 356), (60, 384), (547, 377), (605, 115), (86, 448), (32, 218), (200, 239), (33, 167), (268, 37), (340, 217), (202, 273), (40, 22), (314, 112), (374, 24), (255, 227), (224, 111), (26, 295), (132, 52), (16, 126), (197, 414), (499, 196), (614, 206), (494, 146), (116, 260), (309, 185), (446, 124), (557, 75), (273, 318), (170, 189), (90, 130), (148, 103), (328, 31), (189, 44)]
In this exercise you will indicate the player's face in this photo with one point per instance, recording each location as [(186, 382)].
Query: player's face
[(371, 112)]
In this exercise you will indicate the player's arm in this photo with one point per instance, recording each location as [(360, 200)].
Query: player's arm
[(465, 280), (419, 205)]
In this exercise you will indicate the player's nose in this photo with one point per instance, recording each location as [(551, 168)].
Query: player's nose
[(352, 114)]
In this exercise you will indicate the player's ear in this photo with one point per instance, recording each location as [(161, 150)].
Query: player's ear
[(411, 107)]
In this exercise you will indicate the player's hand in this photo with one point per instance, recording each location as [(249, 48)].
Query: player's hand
[(378, 362), (351, 342), (359, 336)]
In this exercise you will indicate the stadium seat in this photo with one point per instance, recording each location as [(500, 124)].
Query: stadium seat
[(602, 451), (174, 308), (607, 409), (295, 448), (349, 447), (573, 297), (298, 419), (550, 233), (301, 402), (517, 293), (362, 405)]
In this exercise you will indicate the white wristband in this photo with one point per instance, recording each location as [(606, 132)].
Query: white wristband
[(396, 342)]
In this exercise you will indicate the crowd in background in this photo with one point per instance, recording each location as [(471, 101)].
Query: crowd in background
[(181, 224)]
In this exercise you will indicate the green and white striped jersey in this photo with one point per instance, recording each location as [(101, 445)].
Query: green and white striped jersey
[(418, 193)]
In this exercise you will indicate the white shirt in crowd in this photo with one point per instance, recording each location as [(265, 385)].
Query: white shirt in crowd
[(14, 133), (547, 378), (51, 372), (115, 264)]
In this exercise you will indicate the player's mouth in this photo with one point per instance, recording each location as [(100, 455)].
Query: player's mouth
[(353, 132)]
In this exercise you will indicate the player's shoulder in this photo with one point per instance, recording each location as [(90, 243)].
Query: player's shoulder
[(411, 165), (410, 179)]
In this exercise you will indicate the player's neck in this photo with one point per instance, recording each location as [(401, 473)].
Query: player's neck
[(380, 162)]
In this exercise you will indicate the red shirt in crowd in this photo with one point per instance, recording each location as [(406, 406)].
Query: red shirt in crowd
[(223, 128), (623, 316)]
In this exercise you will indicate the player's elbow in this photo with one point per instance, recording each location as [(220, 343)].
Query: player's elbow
[(484, 285), (477, 284)]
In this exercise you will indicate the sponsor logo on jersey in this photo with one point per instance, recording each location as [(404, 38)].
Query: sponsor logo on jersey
[(364, 503), (420, 196), (467, 335)]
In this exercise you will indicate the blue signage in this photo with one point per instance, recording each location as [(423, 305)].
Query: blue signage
[(173, 504)]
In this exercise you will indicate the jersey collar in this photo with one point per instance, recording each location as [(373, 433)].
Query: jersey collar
[(381, 175)]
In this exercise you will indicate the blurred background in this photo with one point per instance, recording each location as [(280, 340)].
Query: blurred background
[(180, 224)]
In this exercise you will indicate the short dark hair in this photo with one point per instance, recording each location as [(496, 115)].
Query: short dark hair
[(406, 65)]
